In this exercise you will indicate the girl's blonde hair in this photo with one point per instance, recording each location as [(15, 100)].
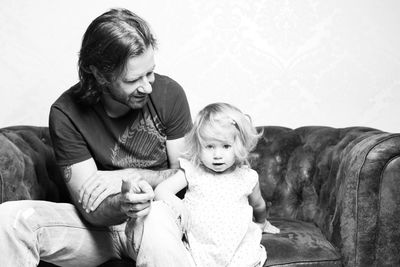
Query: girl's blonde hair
[(222, 118)]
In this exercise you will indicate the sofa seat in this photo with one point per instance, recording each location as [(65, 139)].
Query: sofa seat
[(299, 243)]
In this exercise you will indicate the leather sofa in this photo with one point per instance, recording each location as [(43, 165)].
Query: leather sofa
[(333, 192)]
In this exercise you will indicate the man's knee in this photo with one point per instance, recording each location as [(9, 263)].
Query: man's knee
[(8, 212), (160, 216), (161, 224), (13, 216), (162, 239), (155, 229)]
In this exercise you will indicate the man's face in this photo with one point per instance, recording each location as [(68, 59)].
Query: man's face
[(133, 86)]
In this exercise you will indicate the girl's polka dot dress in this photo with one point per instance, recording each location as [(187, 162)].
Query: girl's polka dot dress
[(222, 231)]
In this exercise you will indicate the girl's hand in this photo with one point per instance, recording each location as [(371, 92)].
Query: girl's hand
[(267, 227), (136, 198)]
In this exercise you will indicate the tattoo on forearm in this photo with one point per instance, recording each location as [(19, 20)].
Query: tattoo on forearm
[(67, 173), (153, 177), (164, 175), (167, 173)]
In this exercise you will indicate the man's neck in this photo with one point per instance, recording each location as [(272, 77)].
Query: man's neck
[(114, 109)]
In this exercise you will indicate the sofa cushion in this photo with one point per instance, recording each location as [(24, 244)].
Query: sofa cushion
[(110, 263), (299, 243), (27, 166)]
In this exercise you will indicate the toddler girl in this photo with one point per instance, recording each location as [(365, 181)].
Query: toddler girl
[(223, 194)]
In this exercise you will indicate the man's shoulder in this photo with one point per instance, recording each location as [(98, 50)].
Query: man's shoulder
[(163, 79), (166, 91), (66, 96), (66, 102), (165, 85)]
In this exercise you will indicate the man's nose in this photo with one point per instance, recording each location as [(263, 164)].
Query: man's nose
[(145, 88)]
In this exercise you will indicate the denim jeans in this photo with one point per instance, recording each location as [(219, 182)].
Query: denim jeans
[(55, 232)]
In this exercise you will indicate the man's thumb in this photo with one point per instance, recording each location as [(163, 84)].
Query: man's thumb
[(128, 186)]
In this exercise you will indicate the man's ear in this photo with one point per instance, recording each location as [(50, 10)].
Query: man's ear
[(98, 75)]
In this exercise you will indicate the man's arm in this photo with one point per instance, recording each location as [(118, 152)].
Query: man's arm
[(75, 176), (104, 183), (109, 211), (154, 178), (174, 150), (97, 194)]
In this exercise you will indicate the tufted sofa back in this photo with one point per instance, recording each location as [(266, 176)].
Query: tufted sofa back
[(346, 181)]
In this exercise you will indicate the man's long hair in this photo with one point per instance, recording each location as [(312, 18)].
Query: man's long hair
[(109, 41)]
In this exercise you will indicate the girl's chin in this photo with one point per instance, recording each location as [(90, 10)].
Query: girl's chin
[(219, 168)]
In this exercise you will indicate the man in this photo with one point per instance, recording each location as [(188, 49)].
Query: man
[(116, 135)]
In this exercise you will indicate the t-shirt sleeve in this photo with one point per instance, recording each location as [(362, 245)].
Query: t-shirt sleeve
[(177, 117), (68, 144)]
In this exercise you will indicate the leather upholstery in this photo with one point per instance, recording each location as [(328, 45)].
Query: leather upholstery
[(27, 165), (334, 192), (345, 181)]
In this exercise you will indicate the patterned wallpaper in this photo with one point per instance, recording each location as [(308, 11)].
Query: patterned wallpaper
[(284, 62)]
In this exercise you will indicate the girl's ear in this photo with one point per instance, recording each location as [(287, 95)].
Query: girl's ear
[(98, 75)]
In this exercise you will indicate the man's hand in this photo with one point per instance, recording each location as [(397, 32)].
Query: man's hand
[(99, 186), (136, 197)]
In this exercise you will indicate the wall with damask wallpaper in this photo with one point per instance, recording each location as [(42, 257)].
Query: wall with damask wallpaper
[(284, 62)]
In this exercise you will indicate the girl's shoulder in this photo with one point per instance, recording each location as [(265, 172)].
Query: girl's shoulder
[(188, 167), (247, 170), (185, 164), (248, 174)]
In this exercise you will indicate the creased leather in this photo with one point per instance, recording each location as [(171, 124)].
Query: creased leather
[(341, 180), (344, 181)]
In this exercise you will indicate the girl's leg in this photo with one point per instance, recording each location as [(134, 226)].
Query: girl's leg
[(54, 232), (250, 252)]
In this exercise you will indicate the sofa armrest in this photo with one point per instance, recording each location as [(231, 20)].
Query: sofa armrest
[(366, 222), (28, 169)]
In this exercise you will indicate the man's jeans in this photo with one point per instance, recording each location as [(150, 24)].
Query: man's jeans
[(55, 232)]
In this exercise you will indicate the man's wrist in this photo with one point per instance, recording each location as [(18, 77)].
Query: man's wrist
[(117, 204)]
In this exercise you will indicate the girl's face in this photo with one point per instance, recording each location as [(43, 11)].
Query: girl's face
[(217, 153)]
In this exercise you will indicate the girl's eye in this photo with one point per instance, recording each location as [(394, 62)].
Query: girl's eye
[(209, 146), (227, 146)]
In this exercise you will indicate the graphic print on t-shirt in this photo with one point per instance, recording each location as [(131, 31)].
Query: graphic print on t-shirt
[(141, 145)]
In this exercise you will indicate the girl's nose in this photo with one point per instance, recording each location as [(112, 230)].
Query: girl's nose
[(217, 154)]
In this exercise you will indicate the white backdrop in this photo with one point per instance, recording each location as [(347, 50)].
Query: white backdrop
[(284, 62)]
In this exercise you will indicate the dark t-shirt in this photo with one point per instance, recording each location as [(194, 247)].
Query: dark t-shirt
[(136, 140)]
